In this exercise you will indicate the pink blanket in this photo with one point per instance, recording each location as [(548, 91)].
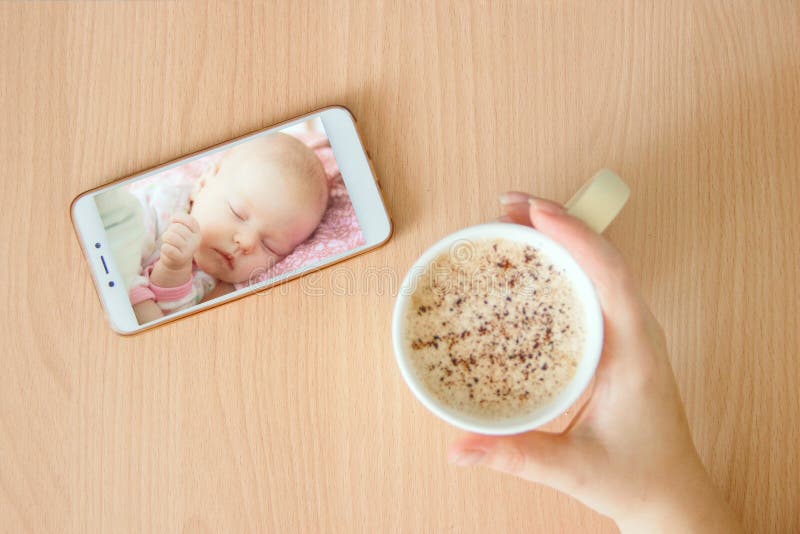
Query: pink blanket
[(337, 233)]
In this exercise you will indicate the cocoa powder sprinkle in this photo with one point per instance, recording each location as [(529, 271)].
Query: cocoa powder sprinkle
[(482, 365)]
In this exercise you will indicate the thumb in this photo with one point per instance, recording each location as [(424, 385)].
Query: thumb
[(537, 456), (595, 254)]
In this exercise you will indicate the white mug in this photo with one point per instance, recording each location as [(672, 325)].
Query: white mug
[(597, 203)]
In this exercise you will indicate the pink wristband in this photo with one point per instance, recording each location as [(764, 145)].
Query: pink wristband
[(140, 294), (171, 293)]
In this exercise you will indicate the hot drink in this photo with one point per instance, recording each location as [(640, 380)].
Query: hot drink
[(493, 329)]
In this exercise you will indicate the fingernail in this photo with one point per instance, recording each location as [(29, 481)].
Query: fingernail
[(546, 206), (465, 458), (513, 197), (504, 218)]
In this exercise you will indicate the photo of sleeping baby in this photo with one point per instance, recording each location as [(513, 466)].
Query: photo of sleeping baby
[(265, 207)]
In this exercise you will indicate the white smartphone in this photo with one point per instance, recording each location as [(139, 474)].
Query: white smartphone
[(231, 220)]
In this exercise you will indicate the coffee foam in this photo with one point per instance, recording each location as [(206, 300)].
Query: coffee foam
[(494, 330)]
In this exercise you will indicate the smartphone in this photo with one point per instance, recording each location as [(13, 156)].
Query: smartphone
[(231, 220)]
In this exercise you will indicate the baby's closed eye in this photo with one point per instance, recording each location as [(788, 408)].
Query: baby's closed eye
[(236, 213)]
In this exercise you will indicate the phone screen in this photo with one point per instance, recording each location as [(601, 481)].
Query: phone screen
[(242, 215)]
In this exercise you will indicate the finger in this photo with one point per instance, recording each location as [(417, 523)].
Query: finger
[(536, 456), (515, 207), (601, 261), (171, 252), (182, 231), (174, 239), (187, 220), (514, 197), (517, 213)]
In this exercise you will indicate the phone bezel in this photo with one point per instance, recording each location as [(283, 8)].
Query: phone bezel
[(357, 174)]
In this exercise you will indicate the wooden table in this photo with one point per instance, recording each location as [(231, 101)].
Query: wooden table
[(285, 412)]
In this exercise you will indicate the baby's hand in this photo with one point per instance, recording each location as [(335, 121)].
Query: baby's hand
[(179, 242)]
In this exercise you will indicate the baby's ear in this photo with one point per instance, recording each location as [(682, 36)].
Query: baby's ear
[(200, 183)]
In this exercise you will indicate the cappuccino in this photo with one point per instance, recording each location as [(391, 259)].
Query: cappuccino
[(493, 329)]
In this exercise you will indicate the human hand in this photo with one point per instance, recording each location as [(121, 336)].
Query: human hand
[(179, 242), (628, 453)]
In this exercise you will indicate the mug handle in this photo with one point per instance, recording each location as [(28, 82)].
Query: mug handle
[(600, 200)]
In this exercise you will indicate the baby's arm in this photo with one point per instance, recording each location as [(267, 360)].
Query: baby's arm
[(179, 242), (147, 311)]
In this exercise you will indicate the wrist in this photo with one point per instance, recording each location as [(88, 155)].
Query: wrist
[(684, 500), (164, 275)]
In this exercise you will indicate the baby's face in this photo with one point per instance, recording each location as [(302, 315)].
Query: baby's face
[(266, 197)]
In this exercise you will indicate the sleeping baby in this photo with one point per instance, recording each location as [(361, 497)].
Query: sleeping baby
[(245, 213)]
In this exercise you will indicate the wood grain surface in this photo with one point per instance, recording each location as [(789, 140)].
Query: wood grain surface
[(285, 412)]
